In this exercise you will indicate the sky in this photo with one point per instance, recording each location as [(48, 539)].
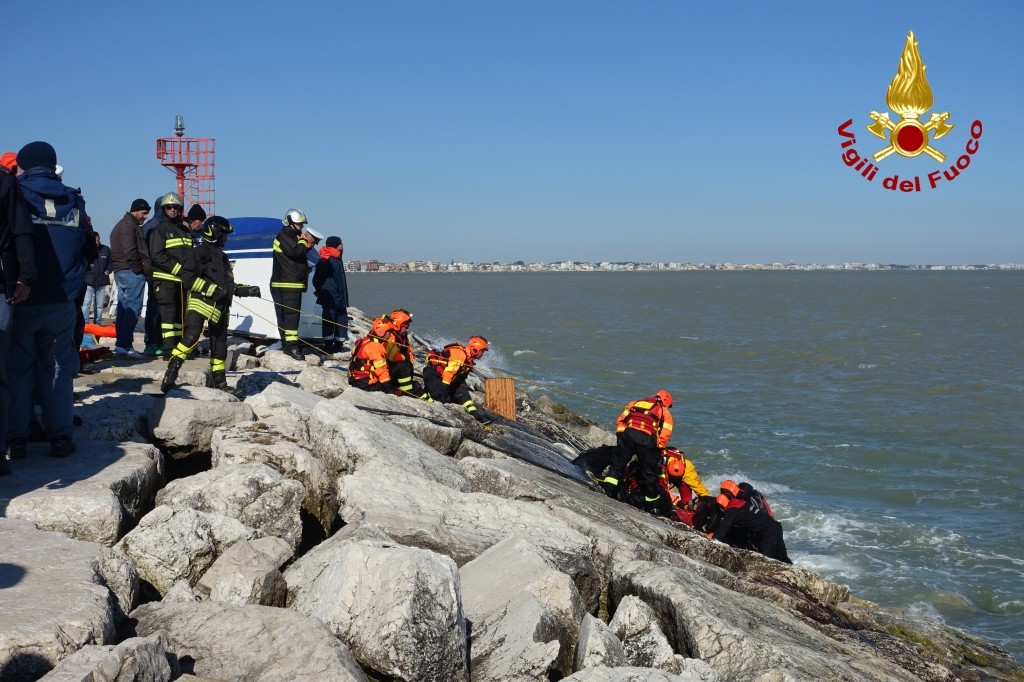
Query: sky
[(591, 131)]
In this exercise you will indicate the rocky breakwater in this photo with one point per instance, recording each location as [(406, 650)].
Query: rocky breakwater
[(325, 533)]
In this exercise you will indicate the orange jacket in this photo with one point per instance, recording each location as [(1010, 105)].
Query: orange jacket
[(452, 363), (647, 415), (370, 359)]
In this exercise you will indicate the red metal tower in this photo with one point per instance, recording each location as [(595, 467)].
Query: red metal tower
[(191, 159)]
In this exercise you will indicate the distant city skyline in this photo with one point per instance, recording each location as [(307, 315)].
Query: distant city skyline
[(605, 266), (539, 131)]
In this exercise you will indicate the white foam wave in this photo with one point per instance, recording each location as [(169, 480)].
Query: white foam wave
[(690, 338), (833, 566), (525, 351), (866, 365)]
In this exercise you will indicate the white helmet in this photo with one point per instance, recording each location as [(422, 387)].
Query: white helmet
[(294, 216)]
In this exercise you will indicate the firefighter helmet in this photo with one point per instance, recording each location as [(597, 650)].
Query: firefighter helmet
[(215, 229), (400, 318), (477, 345), (381, 327), (675, 467), (294, 217), (171, 199), (664, 397), (730, 488)]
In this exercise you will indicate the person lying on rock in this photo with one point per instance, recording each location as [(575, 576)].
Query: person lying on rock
[(741, 517), (207, 278)]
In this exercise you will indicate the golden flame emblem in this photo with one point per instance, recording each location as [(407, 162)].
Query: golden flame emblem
[(909, 95)]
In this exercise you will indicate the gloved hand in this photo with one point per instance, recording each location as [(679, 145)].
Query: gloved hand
[(247, 290), (218, 295), (482, 418)]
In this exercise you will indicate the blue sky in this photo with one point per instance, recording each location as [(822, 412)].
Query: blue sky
[(537, 131)]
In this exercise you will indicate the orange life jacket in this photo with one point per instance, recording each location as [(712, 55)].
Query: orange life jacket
[(370, 360), (448, 367)]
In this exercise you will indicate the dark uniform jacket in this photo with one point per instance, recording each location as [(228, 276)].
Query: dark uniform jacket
[(17, 252), (290, 269), (170, 242), (207, 275)]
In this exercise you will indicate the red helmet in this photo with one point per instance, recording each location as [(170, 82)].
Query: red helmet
[(664, 397), (476, 346), (400, 318)]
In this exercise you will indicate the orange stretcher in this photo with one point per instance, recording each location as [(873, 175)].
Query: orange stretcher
[(101, 331)]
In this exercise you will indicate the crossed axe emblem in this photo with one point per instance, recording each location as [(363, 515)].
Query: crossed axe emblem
[(937, 122)]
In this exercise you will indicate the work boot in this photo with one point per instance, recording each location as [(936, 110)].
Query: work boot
[(171, 375), (292, 350), (218, 380), (17, 448), (611, 488), (61, 446), (5, 466)]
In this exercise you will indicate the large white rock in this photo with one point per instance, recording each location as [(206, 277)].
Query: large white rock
[(744, 637), (114, 416), (185, 427), (56, 596), (597, 645), (397, 608), (252, 643), (432, 423), (172, 544), (257, 443), (323, 381), (526, 628), (96, 494), (136, 658), (643, 642), (350, 439), (254, 494), (248, 573)]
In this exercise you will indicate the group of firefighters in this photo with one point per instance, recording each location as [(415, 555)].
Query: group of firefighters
[(640, 469), (643, 471)]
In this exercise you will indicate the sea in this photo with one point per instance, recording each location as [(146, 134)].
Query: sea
[(881, 412)]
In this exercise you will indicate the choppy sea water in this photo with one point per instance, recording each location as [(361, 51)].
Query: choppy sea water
[(882, 413)]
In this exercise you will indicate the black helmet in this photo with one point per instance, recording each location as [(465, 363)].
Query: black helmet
[(706, 515), (215, 229)]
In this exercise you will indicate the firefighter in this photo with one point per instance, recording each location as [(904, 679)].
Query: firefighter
[(446, 372), (680, 473), (400, 365), (211, 286), (290, 276), (741, 517), (169, 242), (369, 368), (643, 430)]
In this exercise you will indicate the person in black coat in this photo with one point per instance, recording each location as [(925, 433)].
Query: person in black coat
[(331, 290)]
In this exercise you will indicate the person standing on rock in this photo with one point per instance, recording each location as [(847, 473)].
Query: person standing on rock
[(446, 372), (331, 289), (289, 277), (170, 243), (17, 275), (643, 430), (44, 357), (207, 277)]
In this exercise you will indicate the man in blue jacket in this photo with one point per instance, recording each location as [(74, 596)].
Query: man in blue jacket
[(44, 359), (332, 294)]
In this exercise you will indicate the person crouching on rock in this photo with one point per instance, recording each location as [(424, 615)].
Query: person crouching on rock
[(374, 357), (742, 519), (206, 276), (446, 372)]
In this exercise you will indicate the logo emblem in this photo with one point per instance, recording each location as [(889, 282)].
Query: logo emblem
[(910, 96)]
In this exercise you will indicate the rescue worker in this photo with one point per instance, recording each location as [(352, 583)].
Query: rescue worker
[(745, 520), (170, 243), (447, 369), (290, 276), (679, 472), (400, 365), (643, 430), (207, 276), (369, 368)]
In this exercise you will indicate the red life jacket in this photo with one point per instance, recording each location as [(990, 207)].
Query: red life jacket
[(641, 419), (438, 359)]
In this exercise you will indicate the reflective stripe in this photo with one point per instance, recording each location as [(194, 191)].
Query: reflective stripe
[(609, 479), (216, 365), (157, 274), (287, 285), (176, 242)]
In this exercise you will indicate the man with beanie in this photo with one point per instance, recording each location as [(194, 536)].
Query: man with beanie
[(17, 274), (194, 222), (332, 294), (129, 258), (44, 358)]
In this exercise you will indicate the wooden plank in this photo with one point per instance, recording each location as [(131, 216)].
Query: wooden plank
[(501, 396)]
